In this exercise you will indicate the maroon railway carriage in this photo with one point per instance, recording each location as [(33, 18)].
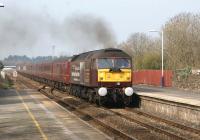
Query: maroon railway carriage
[(45, 70), (56, 74), (61, 74)]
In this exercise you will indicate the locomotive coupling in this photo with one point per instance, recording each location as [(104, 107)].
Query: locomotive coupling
[(102, 91), (128, 91)]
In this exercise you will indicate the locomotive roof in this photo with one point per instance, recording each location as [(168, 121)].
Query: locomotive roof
[(110, 52)]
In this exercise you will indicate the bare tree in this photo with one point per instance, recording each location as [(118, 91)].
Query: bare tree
[(182, 41), (143, 49)]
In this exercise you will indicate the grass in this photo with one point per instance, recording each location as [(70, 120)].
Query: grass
[(5, 83)]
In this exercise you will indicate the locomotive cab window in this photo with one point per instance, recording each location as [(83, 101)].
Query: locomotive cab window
[(107, 63), (122, 63), (104, 63)]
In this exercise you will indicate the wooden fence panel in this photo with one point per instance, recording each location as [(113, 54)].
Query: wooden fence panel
[(152, 77)]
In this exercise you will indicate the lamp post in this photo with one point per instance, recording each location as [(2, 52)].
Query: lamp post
[(53, 52), (162, 40)]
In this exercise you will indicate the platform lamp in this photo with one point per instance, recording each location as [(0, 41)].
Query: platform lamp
[(53, 52), (162, 76)]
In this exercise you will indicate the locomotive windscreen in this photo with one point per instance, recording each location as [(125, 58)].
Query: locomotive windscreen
[(113, 63)]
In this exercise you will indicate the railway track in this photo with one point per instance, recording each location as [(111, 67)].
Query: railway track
[(181, 132), (168, 129), (169, 122)]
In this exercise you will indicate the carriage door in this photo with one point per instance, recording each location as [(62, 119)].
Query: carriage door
[(82, 70)]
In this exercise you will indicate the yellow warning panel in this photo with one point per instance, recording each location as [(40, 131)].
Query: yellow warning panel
[(105, 75)]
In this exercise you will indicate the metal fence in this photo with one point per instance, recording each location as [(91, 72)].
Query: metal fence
[(152, 77)]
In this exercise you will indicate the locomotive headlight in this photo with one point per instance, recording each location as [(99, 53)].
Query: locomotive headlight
[(102, 91), (128, 91)]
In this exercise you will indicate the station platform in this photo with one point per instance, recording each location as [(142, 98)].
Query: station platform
[(169, 94), (27, 114)]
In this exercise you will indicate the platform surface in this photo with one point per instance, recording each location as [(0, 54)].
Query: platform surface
[(27, 114), (170, 94)]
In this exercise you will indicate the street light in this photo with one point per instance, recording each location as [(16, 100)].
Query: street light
[(53, 52), (162, 76), (1, 5)]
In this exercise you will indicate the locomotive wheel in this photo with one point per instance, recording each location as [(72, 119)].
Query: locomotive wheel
[(73, 91), (76, 92), (67, 90), (90, 94), (90, 97), (79, 92), (70, 91), (97, 99)]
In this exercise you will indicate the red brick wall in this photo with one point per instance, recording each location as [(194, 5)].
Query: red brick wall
[(152, 77)]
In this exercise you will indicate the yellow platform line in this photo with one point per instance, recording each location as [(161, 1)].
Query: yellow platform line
[(32, 117)]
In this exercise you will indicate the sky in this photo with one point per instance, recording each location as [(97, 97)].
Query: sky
[(32, 27)]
